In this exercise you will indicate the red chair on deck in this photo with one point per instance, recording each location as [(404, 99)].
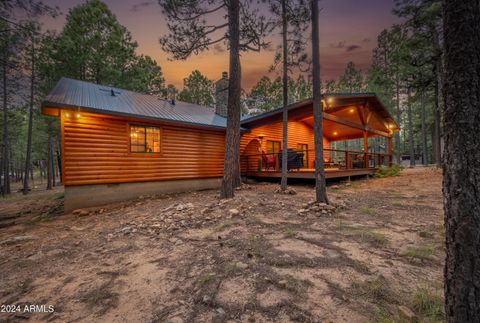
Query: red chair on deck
[(268, 161)]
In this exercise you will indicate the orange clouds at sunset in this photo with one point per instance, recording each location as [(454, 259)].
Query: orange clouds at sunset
[(346, 35)]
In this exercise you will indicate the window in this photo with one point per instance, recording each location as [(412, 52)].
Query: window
[(273, 147), (303, 148), (144, 139)]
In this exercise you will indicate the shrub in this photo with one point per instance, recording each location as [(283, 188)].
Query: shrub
[(385, 171)]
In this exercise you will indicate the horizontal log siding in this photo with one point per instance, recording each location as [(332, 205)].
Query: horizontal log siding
[(96, 151), (298, 133)]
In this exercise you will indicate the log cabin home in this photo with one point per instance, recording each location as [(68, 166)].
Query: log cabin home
[(118, 144)]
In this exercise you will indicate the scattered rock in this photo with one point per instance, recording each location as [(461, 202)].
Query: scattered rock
[(234, 212), (175, 319), (335, 187), (178, 242), (81, 212), (186, 206), (329, 253), (406, 314), (56, 252), (109, 236), (241, 265), (288, 191), (16, 239), (219, 316), (39, 255), (302, 211), (126, 230), (283, 283), (206, 299)]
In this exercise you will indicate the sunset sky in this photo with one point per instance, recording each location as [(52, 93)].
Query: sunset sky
[(348, 32)]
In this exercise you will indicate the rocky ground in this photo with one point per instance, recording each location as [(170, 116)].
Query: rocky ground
[(260, 257)]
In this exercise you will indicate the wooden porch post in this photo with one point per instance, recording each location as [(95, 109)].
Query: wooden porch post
[(390, 151), (365, 149)]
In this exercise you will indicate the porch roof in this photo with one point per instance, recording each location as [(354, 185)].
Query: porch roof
[(344, 110)]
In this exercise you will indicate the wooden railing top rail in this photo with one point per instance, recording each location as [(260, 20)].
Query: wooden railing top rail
[(324, 149)]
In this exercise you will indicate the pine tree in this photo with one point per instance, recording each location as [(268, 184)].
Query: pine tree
[(197, 89)]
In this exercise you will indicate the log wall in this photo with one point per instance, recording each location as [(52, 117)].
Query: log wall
[(95, 150)]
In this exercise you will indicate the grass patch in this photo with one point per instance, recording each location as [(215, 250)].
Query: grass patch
[(362, 233), (367, 211), (361, 267), (384, 171), (294, 285), (397, 203), (39, 218), (422, 253), (254, 237), (57, 196), (339, 225), (223, 225), (102, 297), (231, 268), (376, 290), (206, 278), (382, 315), (428, 304), (372, 237), (290, 233), (426, 234)]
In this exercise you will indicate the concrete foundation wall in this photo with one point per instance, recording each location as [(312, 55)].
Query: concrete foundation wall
[(85, 196)]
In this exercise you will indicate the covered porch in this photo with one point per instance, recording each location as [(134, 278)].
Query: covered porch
[(357, 139)]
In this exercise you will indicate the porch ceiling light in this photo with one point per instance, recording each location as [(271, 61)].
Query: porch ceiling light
[(330, 100), (352, 110), (335, 133)]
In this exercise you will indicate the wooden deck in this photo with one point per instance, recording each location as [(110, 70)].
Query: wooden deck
[(309, 173)]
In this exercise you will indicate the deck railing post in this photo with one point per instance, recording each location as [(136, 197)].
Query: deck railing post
[(347, 166), (390, 151)]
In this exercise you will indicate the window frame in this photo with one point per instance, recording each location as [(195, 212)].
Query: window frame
[(145, 126), (274, 142)]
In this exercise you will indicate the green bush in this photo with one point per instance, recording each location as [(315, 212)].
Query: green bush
[(385, 171)]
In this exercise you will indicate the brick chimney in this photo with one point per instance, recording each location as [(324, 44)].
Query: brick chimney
[(221, 95)]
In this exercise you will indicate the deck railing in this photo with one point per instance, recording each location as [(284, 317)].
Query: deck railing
[(304, 160)]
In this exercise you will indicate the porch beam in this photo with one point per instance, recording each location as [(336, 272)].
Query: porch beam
[(351, 124), (365, 149), (334, 118), (390, 151), (360, 115)]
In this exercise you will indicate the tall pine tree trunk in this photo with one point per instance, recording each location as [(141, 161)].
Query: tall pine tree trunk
[(411, 145), (50, 163), (437, 150), (439, 79), (231, 172), (424, 128), (320, 183), (283, 183), (461, 166), (5, 146), (28, 157), (397, 135)]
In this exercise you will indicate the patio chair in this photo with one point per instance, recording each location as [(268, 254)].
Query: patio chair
[(268, 161)]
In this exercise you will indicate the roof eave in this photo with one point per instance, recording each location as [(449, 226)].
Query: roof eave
[(47, 103)]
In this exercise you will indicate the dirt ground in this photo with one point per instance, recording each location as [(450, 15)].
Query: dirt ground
[(260, 257)]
